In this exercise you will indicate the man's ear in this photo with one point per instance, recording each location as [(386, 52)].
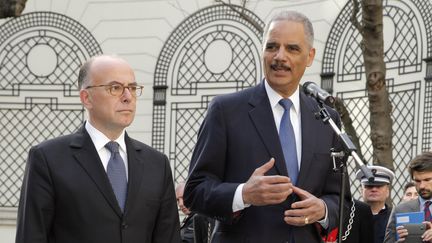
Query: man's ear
[(85, 98), (311, 56)]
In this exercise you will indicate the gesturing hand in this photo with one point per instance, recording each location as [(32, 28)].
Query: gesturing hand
[(262, 190), (308, 210)]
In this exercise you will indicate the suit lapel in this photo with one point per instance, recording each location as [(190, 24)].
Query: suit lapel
[(136, 171), (86, 155), (262, 117), (308, 128)]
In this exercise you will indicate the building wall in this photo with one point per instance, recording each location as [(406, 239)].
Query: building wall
[(44, 48)]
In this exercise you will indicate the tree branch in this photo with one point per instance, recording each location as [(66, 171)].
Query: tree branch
[(11, 8), (354, 19), (241, 13)]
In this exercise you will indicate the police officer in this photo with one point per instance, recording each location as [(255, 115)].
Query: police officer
[(375, 194)]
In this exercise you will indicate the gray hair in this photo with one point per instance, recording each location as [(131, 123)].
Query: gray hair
[(84, 74), (295, 17)]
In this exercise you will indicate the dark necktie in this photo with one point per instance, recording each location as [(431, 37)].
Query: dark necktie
[(427, 211), (116, 172), (287, 140)]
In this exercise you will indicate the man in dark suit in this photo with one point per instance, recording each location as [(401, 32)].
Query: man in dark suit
[(98, 184), (357, 225), (238, 173), (420, 169)]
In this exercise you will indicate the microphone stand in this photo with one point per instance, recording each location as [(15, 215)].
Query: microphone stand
[(348, 149)]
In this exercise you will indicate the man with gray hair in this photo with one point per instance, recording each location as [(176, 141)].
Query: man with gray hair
[(261, 166)]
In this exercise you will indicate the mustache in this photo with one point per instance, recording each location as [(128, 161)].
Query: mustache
[(421, 191), (279, 65)]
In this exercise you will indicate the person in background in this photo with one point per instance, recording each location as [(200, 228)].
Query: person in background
[(410, 192), (420, 169), (194, 227), (98, 185), (375, 194), (262, 166), (179, 196)]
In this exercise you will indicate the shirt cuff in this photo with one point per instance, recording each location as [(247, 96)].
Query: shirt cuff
[(238, 203), (324, 222)]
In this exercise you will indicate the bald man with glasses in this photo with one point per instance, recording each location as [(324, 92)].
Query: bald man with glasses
[(98, 184)]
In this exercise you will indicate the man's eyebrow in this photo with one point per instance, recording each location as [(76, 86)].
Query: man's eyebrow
[(296, 46), (271, 43), (117, 82)]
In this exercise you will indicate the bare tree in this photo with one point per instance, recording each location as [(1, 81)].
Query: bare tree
[(372, 45), (241, 13), (11, 8)]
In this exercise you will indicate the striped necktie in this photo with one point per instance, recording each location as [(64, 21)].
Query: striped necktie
[(427, 212)]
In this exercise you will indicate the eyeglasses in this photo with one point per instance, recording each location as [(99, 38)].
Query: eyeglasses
[(118, 89)]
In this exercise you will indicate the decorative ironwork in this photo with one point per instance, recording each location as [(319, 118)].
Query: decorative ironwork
[(40, 54), (214, 51), (186, 119), (411, 21), (404, 53), (427, 117), (405, 138)]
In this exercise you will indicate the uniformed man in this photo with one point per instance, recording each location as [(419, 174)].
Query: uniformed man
[(375, 194)]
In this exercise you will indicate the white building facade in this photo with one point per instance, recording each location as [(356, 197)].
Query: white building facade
[(185, 53)]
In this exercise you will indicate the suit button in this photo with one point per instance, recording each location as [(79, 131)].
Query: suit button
[(124, 225)]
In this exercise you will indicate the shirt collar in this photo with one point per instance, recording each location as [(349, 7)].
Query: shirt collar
[(422, 202), (99, 139), (274, 97)]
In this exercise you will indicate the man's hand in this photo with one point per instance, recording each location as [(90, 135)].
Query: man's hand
[(402, 233), (262, 190), (306, 211), (427, 235)]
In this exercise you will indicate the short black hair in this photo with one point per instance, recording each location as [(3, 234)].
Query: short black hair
[(408, 185)]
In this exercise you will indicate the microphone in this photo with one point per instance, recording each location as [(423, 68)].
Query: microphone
[(313, 90)]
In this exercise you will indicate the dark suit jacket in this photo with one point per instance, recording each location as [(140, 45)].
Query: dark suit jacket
[(203, 227), (66, 196), (362, 228), (405, 207), (380, 221), (196, 228), (237, 136)]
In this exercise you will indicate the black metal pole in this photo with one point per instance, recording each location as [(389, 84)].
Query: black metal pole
[(348, 149), (344, 174)]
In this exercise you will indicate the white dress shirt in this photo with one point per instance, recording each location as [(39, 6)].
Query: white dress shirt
[(99, 140), (278, 110), (295, 116), (422, 203)]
